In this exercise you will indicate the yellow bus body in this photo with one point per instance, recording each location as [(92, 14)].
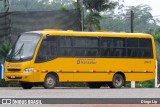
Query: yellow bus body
[(84, 69)]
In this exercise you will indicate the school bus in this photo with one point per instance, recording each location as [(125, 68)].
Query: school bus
[(98, 58)]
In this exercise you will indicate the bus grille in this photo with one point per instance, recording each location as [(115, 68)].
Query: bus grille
[(14, 70)]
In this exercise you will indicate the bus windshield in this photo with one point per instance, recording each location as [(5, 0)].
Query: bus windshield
[(24, 48)]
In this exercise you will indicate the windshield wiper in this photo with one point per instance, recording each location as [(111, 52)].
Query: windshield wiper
[(18, 51)]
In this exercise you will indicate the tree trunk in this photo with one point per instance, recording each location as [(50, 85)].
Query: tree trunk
[(90, 21)]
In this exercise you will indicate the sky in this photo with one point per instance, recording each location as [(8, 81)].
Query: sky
[(154, 4)]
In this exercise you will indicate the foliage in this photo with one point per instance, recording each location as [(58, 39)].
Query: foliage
[(128, 85), (142, 17), (145, 84), (98, 5), (157, 43), (99, 13), (40, 5), (157, 38), (3, 83), (4, 49), (143, 20), (94, 7), (158, 71), (63, 9), (9, 84), (93, 21), (76, 5)]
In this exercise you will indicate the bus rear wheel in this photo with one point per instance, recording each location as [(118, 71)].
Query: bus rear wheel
[(94, 84), (117, 81), (26, 85), (50, 81)]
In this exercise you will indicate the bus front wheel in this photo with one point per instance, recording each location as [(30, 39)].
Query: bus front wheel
[(117, 81), (26, 85), (50, 81)]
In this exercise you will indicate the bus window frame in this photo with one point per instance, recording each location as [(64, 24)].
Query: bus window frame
[(99, 48)]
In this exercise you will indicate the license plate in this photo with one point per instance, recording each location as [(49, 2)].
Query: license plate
[(13, 76)]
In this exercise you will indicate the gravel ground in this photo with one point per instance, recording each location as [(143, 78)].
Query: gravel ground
[(67, 92)]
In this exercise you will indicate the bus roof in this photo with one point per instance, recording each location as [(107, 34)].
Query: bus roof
[(92, 34)]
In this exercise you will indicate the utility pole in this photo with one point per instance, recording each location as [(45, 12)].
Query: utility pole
[(132, 20), (82, 14), (133, 83)]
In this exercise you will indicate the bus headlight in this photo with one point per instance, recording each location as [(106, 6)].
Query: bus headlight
[(28, 70)]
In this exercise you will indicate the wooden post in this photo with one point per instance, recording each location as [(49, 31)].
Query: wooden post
[(156, 76), (133, 84), (132, 18)]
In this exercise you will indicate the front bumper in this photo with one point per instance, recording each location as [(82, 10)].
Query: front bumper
[(22, 77)]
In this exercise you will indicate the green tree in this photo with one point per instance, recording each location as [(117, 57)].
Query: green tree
[(142, 17), (4, 49), (143, 20), (94, 7), (157, 41), (157, 38), (115, 23), (40, 5)]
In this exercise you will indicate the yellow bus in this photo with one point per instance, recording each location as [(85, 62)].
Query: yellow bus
[(98, 58)]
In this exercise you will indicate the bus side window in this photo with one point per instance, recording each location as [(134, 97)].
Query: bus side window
[(107, 42), (120, 52), (145, 45), (132, 46), (139, 48), (132, 42), (113, 47), (85, 46), (119, 42), (147, 52), (92, 52), (40, 54), (65, 46), (47, 50), (145, 42)]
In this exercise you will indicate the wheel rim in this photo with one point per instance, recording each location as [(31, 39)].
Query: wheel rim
[(118, 81), (50, 82)]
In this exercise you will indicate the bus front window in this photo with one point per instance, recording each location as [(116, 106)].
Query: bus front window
[(24, 48)]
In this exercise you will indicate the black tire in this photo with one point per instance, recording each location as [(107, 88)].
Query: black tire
[(26, 85), (117, 82), (50, 81), (94, 84)]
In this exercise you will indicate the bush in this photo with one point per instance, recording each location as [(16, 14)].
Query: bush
[(4, 49), (9, 84), (145, 84), (3, 83), (158, 72)]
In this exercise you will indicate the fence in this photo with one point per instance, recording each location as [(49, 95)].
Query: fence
[(14, 23)]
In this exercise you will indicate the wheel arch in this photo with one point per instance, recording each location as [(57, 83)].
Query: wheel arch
[(53, 73)]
